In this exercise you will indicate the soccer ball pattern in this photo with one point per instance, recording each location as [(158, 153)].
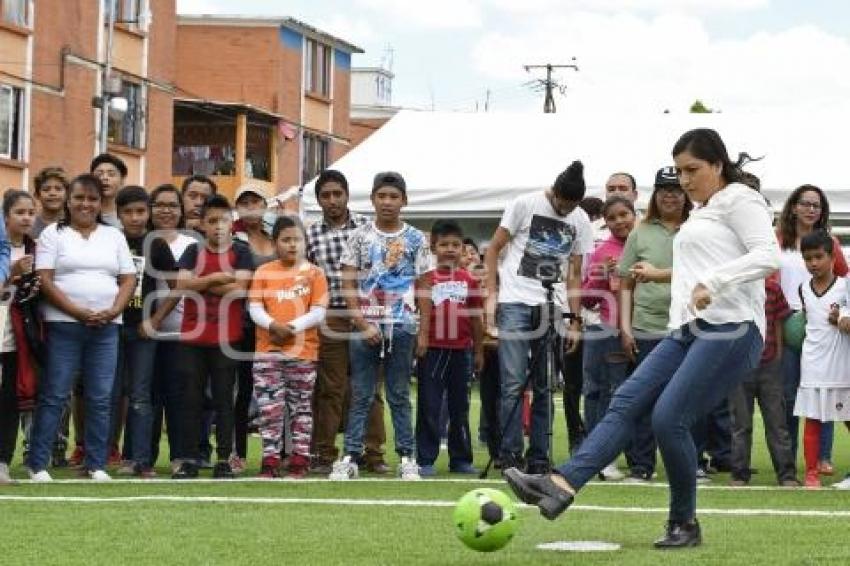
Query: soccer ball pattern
[(485, 519)]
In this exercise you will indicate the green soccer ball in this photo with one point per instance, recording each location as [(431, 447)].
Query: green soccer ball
[(485, 519), (794, 331)]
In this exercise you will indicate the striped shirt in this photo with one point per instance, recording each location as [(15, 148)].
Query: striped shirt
[(325, 245)]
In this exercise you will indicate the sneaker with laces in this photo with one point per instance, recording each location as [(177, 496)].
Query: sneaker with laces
[(237, 464), (611, 473), (427, 471), (408, 469), (270, 468), (702, 475), (127, 468), (825, 468), (298, 466), (813, 479), (143, 472), (345, 469), (5, 477), (99, 475), (186, 471), (843, 484), (40, 477), (77, 457)]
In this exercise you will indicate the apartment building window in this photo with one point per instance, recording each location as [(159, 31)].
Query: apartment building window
[(11, 122), (129, 12), (129, 129), (315, 156), (318, 68), (14, 12)]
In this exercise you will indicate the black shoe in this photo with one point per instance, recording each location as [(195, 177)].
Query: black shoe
[(680, 535), (186, 471), (539, 490), (538, 468), (223, 471)]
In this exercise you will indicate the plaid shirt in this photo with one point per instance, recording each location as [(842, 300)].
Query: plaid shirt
[(324, 248), (776, 310)]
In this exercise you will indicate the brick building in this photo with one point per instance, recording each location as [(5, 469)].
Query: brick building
[(265, 99), (371, 101), (52, 55)]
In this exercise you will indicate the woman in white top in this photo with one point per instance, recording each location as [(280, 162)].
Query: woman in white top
[(167, 219), (87, 277), (721, 256), (806, 211)]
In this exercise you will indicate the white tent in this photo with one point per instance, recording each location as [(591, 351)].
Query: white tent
[(468, 165)]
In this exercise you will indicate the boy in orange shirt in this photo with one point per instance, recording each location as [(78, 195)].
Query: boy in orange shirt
[(287, 301)]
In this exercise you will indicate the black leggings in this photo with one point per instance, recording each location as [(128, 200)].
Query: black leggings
[(8, 407)]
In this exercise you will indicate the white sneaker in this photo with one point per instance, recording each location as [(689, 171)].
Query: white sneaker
[(4, 473), (611, 473), (344, 469), (99, 475), (843, 484), (40, 477), (408, 469)]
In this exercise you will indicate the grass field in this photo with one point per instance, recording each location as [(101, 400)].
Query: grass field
[(384, 521)]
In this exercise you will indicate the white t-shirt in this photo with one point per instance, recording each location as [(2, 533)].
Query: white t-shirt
[(541, 240), (171, 323), (792, 274), (9, 344), (86, 270), (825, 360), (729, 246)]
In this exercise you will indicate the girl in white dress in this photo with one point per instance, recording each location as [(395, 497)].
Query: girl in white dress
[(824, 393)]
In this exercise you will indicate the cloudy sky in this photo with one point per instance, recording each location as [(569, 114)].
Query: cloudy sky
[(641, 55)]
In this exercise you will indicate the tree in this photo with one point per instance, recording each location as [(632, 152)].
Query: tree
[(698, 107)]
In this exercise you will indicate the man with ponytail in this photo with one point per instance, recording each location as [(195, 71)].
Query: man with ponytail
[(543, 236)]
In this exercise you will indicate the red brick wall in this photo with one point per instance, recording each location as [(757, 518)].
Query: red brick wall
[(161, 68), (362, 128)]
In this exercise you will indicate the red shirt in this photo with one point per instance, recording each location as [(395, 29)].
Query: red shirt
[(454, 293), (776, 310), (215, 320)]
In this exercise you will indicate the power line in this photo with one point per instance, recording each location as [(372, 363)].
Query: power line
[(548, 85)]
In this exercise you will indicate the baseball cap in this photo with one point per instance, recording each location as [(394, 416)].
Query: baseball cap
[(251, 188), (389, 179), (666, 177)]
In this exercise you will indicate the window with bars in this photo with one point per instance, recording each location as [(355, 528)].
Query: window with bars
[(318, 68), (11, 122), (129, 128), (315, 156), (15, 12)]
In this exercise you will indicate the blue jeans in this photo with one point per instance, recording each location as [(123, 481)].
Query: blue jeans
[(138, 356), (443, 374), (640, 455), (519, 333), (603, 371), (684, 378), (791, 381), (73, 347), (365, 362)]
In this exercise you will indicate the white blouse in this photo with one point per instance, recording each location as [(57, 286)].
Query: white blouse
[(729, 246)]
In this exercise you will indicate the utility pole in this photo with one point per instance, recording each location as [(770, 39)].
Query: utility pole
[(548, 85)]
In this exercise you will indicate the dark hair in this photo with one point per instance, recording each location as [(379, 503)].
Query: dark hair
[(215, 202), (87, 182), (819, 239), (11, 198), (615, 200), (130, 194), (50, 173), (199, 179), (569, 185), (788, 220), (166, 188), (707, 145), (114, 160), (652, 212), (592, 206), (286, 221), (471, 242), (331, 176), (445, 228), (629, 176)]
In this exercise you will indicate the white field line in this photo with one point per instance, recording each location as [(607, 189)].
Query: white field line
[(404, 503), (464, 481)]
